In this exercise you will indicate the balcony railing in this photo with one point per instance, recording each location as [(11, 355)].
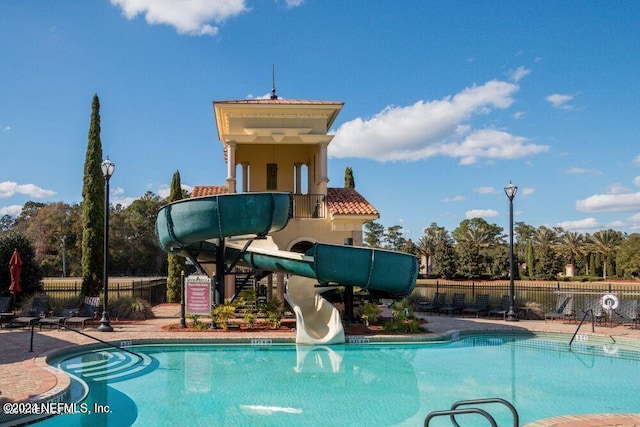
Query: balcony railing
[(309, 206)]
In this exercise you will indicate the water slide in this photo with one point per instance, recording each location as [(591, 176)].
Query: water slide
[(201, 226)]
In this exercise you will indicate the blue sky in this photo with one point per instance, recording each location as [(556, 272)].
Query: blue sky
[(445, 102)]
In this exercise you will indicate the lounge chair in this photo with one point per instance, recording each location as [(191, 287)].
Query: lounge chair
[(480, 306), (456, 306), (58, 321), (37, 310), (88, 313), (598, 313), (564, 309), (5, 314), (627, 312), (432, 306), (503, 308)]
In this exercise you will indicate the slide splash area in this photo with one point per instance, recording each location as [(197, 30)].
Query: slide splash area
[(219, 227)]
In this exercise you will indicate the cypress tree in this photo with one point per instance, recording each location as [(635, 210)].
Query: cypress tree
[(349, 181), (176, 263), (93, 209)]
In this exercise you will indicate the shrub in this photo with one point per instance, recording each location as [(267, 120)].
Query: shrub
[(369, 313), (129, 308), (222, 313), (273, 312)]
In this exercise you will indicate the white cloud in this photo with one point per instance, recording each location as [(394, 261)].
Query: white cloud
[(293, 3), (191, 17), (481, 213), (518, 115), (435, 128), (636, 161), (165, 189), (609, 203), (5, 128), (10, 188), (485, 190), (576, 170), (527, 191), (13, 210), (636, 181), (580, 225), (617, 188), (454, 199), (558, 100), (517, 74)]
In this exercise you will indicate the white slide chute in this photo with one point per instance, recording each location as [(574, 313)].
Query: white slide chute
[(317, 320)]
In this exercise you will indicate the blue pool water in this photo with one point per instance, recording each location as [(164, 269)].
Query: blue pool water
[(369, 384)]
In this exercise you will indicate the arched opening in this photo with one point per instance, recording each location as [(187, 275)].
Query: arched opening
[(301, 247)]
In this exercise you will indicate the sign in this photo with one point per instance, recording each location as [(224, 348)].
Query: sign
[(198, 295)]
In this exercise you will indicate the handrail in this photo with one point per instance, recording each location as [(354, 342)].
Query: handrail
[(452, 412), (81, 333), (593, 325), (514, 412)]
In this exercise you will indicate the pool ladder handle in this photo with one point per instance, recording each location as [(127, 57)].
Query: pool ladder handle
[(455, 411), (593, 325), (86, 335)]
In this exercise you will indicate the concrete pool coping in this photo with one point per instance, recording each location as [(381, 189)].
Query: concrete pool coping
[(26, 377)]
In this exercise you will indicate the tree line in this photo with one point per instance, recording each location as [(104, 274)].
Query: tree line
[(55, 231), (477, 249)]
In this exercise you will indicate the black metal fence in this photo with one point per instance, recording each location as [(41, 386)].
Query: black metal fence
[(154, 290), (543, 293)]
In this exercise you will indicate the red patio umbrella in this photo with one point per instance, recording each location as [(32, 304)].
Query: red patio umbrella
[(15, 269)]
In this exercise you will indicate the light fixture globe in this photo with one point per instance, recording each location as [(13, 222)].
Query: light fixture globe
[(107, 167), (510, 190)]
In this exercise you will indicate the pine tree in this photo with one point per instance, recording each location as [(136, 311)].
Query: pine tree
[(176, 263), (93, 208), (349, 181)]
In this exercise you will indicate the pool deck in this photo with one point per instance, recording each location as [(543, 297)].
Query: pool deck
[(25, 377)]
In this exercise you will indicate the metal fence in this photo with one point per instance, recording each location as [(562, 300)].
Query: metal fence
[(154, 290), (543, 293)]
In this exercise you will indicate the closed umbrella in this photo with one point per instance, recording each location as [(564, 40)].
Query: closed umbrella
[(15, 268)]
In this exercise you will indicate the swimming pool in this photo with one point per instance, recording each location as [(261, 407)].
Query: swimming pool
[(368, 384)]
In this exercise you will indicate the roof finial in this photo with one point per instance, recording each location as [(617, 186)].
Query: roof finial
[(273, 84)]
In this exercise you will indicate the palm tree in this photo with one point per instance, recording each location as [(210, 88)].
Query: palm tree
[(428, 243), (606, 242), (544, 240), (570, 244)]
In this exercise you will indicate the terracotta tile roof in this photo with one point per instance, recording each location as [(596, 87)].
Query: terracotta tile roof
[(340, 201), (347, 201), (209, 190)]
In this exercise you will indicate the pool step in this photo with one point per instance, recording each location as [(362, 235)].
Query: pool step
[(106, 365)]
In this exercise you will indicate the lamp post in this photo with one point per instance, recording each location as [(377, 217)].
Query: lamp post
[(105, 323), (511, 190)]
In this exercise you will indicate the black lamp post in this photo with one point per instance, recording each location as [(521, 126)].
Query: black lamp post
[(105, 323), (511, 190)]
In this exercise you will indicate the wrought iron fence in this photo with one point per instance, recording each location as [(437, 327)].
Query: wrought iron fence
[(154, 290), (543, 293)]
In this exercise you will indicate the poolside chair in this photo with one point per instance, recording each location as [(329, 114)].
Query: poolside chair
[(480, 306), (58, 321), (36, 311), (627, 312), (5, 314), (456, 306), (503, 308), (432, 306), (598, 314), (88, 313), (564, 309)]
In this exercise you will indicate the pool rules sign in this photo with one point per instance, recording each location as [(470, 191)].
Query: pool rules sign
[(198, 295)]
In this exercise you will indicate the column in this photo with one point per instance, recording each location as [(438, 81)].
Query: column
[(231, 167)]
